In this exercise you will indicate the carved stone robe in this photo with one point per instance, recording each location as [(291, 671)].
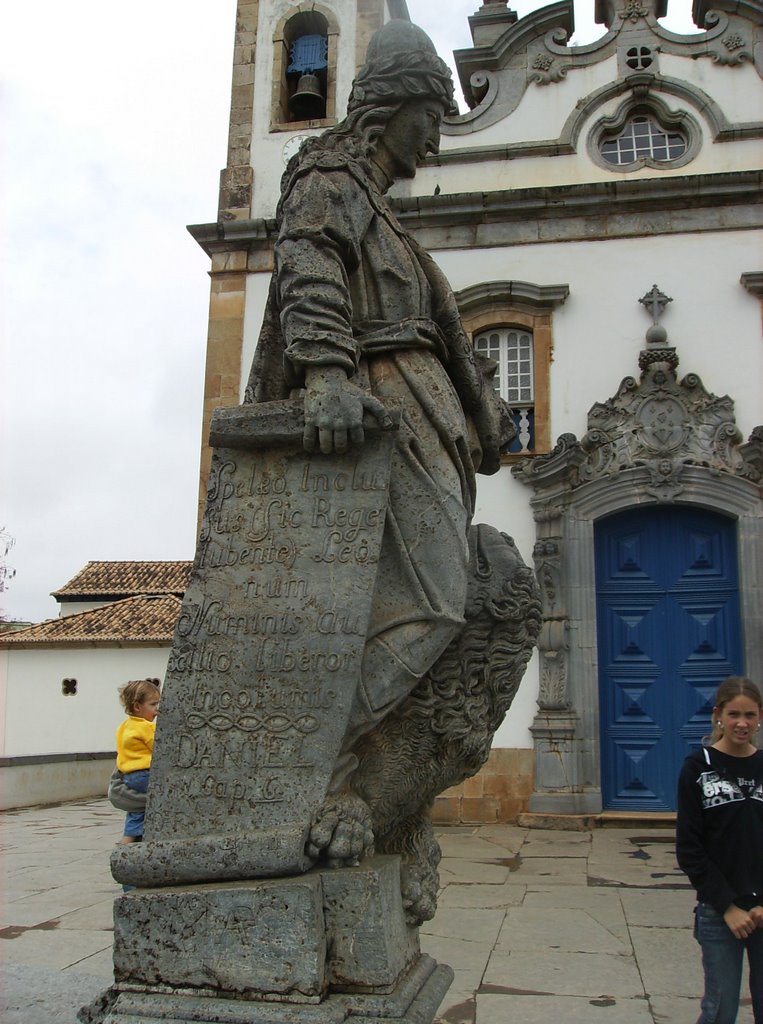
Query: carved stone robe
[(351, 288)]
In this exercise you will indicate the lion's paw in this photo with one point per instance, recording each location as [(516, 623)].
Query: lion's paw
[(419, 886), (341, 832)]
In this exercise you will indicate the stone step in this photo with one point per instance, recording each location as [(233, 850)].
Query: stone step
[(604, 819)]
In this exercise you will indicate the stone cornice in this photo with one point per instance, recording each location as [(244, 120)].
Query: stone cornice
[(752, 10), (697, 202), (610, 209), (525, 293), (753, 282), (235, 235)]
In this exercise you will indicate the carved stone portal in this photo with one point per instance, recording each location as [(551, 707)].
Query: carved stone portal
[(657, 440)]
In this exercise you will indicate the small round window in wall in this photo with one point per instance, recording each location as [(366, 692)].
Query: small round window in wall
[(643, 139)]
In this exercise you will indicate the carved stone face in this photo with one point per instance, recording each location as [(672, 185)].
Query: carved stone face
[(411, 134)]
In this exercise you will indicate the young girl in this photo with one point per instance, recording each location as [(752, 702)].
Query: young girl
[(135, 744), (719, 844)]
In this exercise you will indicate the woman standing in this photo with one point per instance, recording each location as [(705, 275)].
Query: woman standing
[(719, 844)]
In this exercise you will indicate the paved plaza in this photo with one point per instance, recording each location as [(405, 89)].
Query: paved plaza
[(539, 926)]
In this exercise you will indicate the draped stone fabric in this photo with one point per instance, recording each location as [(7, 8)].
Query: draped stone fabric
[(352, 289)]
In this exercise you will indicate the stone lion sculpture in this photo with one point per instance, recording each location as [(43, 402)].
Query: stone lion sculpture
[(443, 732)]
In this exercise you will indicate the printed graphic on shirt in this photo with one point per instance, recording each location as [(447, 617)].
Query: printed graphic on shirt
[(717, 791), (757, 793)]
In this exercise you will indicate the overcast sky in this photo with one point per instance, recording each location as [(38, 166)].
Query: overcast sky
[(115, 121)]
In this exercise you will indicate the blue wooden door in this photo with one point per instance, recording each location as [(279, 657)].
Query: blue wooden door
[(668, 634)]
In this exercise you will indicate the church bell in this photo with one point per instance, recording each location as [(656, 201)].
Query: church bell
[(308, 102)]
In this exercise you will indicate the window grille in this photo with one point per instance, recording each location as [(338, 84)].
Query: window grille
[(643, 137), (512, 350), (639, 58)]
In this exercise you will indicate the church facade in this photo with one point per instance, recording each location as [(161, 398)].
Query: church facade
[(598, 213)]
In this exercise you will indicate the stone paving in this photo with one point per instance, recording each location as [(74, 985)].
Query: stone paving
[(538, 926)]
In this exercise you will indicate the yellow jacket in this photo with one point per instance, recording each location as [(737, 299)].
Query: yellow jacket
[(135, 744)]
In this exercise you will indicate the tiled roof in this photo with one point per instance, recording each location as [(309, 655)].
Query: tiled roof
[(134, 620), (123, 579)]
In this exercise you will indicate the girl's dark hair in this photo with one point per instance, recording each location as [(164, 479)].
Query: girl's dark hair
[(734, 686), (135, 692)]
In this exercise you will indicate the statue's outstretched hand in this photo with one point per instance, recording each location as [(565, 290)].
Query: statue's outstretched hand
[(334, 409)]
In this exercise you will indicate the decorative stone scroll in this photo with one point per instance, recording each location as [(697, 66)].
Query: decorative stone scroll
[(267, 652)]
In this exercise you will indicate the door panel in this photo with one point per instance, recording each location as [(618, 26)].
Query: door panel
[(668, 634)]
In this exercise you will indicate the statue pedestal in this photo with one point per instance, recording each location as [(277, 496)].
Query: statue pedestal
[(228, 924), (325, 947)]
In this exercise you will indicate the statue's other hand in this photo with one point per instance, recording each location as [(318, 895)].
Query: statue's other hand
[(334, 409)]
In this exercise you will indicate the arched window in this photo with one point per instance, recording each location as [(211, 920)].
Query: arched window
[(510, 323), (512, 349), (304, 69)]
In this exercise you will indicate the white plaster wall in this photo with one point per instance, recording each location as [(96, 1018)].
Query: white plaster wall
[(541, 112), (598, 332), (3, 701), (738, 90), (577, 168), (75, 607), (40, 720)]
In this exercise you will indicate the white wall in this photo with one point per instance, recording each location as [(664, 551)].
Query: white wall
[(40, 720), (713, 322), (76, 607)]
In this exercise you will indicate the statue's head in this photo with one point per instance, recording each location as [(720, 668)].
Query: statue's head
[(401, 65), (400, 96), (397, 102)]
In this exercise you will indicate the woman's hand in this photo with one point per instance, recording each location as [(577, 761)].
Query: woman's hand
[(756, 913), (334, 409), (741, 923)]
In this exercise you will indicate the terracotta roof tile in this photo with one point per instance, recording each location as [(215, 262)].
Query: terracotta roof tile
[(123, 579), (134, 620)]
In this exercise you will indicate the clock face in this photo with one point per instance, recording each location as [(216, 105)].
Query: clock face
[(292, 145)]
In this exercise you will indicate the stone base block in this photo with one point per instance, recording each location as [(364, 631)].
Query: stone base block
[(238, 939), (369, 944), (269, 938), (414, 1000)]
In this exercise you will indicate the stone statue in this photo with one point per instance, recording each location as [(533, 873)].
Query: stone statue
[(364, 321), (348, 641)]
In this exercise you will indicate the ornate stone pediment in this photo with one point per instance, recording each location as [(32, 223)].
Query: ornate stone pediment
[(657, 422)]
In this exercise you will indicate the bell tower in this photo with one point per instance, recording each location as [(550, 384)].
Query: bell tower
[(293, 66)]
